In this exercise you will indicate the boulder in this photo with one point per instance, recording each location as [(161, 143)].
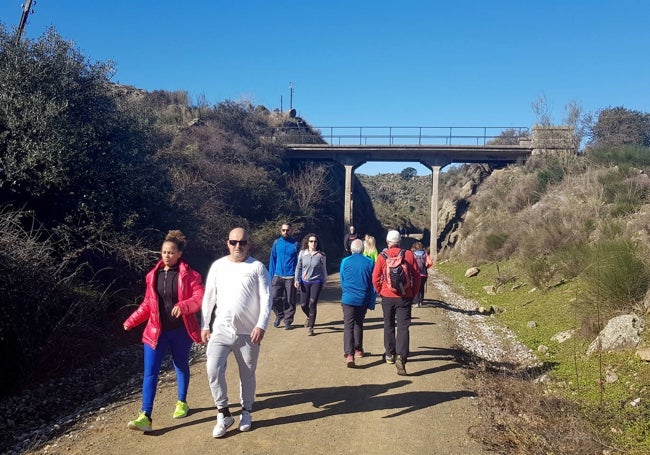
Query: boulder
[(472, 271), (621, 333), (563, 336), (643, 354)]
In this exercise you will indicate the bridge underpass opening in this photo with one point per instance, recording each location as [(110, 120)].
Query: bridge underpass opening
[(385, 167), (376, 168)]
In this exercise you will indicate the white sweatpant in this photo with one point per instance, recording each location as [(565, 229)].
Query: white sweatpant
[(246, 355)]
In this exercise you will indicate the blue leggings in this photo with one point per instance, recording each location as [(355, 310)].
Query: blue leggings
[(180, 343)]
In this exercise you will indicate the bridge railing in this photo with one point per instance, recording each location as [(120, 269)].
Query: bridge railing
[(404, 135)]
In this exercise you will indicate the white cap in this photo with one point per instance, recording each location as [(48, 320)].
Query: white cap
[(393, 237)]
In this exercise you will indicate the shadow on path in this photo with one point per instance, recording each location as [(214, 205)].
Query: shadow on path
[(330, 401)]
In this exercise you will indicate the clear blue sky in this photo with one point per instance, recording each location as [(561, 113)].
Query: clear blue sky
[(370, 63)]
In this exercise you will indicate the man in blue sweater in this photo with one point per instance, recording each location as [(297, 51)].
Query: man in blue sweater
[(282, 267), (358, 295)]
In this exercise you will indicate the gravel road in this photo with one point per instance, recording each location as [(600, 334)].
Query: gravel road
[(308, 402)]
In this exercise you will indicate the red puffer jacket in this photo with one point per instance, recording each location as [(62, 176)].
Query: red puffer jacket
[(190, 296)]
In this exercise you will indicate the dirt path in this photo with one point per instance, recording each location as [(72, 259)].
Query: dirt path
[(309, 402)]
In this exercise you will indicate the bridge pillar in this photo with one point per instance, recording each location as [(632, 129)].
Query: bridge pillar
[(433, 243), (349, 196)]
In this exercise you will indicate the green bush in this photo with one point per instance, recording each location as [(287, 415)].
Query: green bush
[(616, 275), (624, 155), (495, 241), (540, 271)]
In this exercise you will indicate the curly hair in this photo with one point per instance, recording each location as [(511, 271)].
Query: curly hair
[(305, 241), (177, 238)]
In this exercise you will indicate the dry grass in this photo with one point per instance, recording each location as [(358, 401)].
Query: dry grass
[(519, 418)]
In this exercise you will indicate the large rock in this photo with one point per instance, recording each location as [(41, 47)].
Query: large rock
[(621, 333), (643, 354)]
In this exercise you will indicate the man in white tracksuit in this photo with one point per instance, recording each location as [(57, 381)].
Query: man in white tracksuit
[(235, 313)]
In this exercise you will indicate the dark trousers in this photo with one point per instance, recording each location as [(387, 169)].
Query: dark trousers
[(353, 317), (397, 315), (419, 298), (284, 298), (309, 293)]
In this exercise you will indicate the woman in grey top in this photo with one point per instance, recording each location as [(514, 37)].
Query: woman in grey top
[(311, 276)]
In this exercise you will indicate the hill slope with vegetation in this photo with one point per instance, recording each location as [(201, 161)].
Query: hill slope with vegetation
[(93, 174)]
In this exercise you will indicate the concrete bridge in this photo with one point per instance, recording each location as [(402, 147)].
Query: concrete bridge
[(434, 147)]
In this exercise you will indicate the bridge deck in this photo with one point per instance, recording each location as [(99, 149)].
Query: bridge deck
[(428, 155)]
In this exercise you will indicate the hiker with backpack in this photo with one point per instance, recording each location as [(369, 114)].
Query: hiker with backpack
[(423, 262), (396, 279)]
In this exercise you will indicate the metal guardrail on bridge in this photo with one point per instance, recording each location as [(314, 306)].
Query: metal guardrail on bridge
[(405, 135)]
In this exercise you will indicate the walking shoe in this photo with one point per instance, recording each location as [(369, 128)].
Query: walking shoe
[(358, 353), (306, 323), (181, 409), (287, 325), (142, 423), (223, 423), (399, 364), (245, 421), (349, 361), (390, 359), (310, 331), (277, 322)]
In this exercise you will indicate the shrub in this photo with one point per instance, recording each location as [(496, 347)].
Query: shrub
[(494, 241), (540, 271), (616, 275), (625, 155)]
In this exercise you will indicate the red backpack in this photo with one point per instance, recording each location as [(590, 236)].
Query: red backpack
[(396, 273)]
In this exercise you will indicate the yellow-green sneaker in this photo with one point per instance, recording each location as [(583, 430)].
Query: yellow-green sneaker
[(142, 423), (181, 410)]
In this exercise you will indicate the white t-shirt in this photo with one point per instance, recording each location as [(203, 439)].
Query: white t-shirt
[(242, 296)]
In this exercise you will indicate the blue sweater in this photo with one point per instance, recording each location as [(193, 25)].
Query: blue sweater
[(284, 255), (356, 281)]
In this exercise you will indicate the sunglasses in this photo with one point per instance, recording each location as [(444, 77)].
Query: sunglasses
[(235, 242)]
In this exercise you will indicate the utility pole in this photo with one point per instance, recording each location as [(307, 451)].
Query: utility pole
[(290, 95), (27, 6)]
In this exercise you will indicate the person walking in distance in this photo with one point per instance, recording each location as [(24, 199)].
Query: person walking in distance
[(311, 277), (234, 316), (423, 261), (396, 298), (172, 298), (348, 238), (370, 248), (357, 296), (282, 267)]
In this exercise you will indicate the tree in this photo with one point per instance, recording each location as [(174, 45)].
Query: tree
[(67, 150), (308, 187), (542, 111), (621, 126), (408, 173), (510, 136)]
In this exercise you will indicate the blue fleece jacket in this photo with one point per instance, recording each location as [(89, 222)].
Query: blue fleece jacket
[(284, 255), (356, 281)]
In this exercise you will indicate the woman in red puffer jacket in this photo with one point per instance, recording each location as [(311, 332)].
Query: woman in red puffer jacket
[(172, 298)]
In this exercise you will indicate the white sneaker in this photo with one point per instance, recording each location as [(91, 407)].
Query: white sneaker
[(223, 423), (245, 421)]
